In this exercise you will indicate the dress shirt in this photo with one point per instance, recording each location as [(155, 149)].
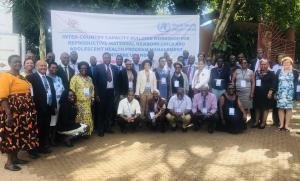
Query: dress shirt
[(127, 108), (48, 91), (75, 67), (136, 67), (180, 105), (210, 101)]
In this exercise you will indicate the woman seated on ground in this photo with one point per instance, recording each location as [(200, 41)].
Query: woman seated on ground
[(232, 113), (67, 125)]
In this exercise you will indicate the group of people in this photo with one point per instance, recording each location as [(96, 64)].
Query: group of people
[(44, 102)]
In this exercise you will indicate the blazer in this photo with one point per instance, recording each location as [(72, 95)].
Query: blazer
[(64, 77), (161, 106), (100, 80), (252, 64), (186, 68), (185, 85), (142, 79), (40, 94), (124, 81)]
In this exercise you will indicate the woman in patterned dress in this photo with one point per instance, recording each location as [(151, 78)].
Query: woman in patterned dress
[(287, 79), (83, 86), (18, 126), (59, 88)]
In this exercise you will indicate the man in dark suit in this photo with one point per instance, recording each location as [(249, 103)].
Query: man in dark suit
[(45, 103), (136, 63), (107, 88), (119, 62), (65, 72), (255, 62), (190, 70), (93, 63)]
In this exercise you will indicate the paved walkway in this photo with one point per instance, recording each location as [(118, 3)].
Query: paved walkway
[(254, 155)]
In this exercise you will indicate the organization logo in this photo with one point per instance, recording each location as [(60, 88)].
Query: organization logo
[(164, 27), (72, 23)]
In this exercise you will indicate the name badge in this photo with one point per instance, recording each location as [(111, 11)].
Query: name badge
[(86, 91), (298, 88), (218, 82), (176, 83), (243, 83), (130, 85), (163, 80), (258, 82), (231, 111), (178, 110), (31, 92), (152, 115), (204, 110)]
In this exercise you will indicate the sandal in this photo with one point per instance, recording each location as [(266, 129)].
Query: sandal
[(12, 167)]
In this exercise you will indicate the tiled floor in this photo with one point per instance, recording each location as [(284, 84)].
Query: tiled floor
[(253, 155)]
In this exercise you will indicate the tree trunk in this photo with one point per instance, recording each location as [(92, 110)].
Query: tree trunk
[(225, 16), (42, 41)]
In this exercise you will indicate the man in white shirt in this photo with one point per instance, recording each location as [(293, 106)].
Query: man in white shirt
[(129, 111), (180, 106)]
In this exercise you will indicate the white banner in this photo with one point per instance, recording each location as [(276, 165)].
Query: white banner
[(5, 18), (93, 34), (9, 45)]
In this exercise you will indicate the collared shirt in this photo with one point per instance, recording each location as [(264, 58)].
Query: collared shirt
[(75, 67), (257, 65), (110, 85), (127, 108), (178, 105), (136, 67), (210, 102), (48, 91)]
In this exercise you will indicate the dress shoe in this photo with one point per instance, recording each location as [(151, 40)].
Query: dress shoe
[(184, 130), (109, 131), (12, 167), (101, 134), (20, 162), (44, 150), (33, 154)]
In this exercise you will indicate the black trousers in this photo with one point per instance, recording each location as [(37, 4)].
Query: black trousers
[(106, 111), (124, 125), (43, 123), (200, 119), (160, 122)]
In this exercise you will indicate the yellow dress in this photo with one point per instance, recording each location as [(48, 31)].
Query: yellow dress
[(84, 90)]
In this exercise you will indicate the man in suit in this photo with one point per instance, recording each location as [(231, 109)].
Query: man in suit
[(136, 63), (128, 77), (119, 62), (107, 88), (255, 62), (65, 72), (93, 63), (185, 55), (50, 57), (73, 63), (45, 103), (189, 70)]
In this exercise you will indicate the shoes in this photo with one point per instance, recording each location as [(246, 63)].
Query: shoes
[(255, 126), (33, 154), (101, 134), (210, 130), (20, 162), (44, 150), (184, 130), (68, 144), (12, 167), (110, 131), (174, 128), (281, 129), (262, 126)]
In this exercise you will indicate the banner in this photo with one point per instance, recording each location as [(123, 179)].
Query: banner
[(9, 45), (93, 34), (6, 20)]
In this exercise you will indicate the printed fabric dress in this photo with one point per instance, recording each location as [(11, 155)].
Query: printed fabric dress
[(22, 135), (84, 90), (285, 91)]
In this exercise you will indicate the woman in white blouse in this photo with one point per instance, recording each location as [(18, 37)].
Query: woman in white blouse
[(146, 83), (201, 76)]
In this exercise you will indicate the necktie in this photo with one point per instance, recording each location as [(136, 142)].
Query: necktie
[(108, 72), (204, 102), (46, 85), (66, 70), (189, 71)]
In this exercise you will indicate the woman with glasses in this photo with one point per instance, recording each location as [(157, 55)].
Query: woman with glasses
[(263, 94), (83, 87), (244, 81)]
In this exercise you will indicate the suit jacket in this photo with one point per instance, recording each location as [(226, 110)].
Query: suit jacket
[(161, 106), (64, 77), (252, 64), (40, 94), (186, 69), (141, 82), (124, 81), (100, 79)]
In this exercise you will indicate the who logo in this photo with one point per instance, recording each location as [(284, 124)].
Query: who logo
[(164, 27)]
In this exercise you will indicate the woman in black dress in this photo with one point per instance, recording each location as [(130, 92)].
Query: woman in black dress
[(263, 93), (66, 124), (232, 113)]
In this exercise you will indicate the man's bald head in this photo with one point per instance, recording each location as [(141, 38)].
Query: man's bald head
[(65, 58), (41, 66)]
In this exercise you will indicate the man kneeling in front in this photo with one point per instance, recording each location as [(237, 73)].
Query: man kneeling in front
[(204, 109), (129, 111), (180, 106)]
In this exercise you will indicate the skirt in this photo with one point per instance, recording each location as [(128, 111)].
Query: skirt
[(22, 135)]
